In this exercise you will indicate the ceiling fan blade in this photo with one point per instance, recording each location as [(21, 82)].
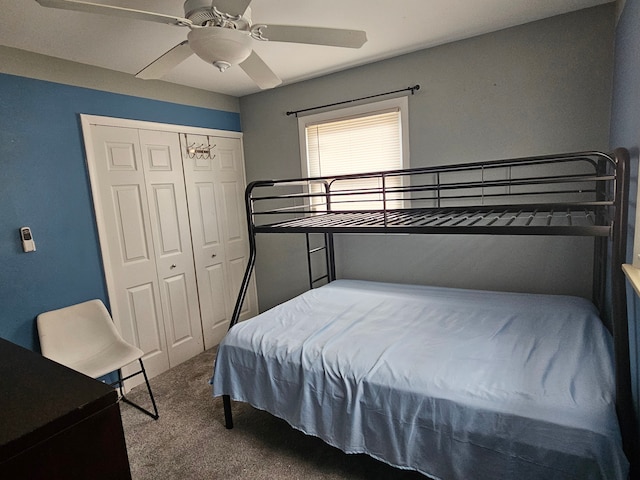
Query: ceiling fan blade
[(89, 7), (259, 72), (232, 7), (165, 63), (335, 37)]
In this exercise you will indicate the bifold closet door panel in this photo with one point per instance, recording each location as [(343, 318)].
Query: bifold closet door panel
[(207, 238), (126, 240), (172, 241), (218, 254), (231, 178)]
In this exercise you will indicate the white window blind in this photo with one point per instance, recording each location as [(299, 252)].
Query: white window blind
[(360, 144)]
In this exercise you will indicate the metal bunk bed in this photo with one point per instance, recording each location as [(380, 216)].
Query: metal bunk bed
[(575, 194)]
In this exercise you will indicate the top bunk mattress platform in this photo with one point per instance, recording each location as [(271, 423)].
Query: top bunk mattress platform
[(566, 194)]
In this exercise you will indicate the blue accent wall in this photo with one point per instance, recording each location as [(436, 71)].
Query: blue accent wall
[(625, 132), (44, 185)]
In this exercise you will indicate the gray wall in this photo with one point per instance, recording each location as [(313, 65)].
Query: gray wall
[(544, 87), (625, 131)]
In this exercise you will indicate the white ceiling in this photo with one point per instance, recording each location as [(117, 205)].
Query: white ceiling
[(393, 27)]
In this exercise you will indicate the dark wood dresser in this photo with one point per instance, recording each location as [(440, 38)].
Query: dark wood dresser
[(56, 423)]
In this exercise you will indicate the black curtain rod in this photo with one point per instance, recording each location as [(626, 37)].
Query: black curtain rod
[(413, 89)]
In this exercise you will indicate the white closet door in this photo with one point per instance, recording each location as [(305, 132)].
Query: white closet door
[(172, 240), (230, 199), (126, 239), (213, 181)]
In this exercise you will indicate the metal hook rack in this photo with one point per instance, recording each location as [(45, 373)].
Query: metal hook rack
[(201, 150)]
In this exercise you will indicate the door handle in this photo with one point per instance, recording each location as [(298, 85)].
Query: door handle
[(173, 265)]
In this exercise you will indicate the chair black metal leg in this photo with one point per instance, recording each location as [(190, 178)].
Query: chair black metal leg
[(153, 415), (228, 416), (120, 383)]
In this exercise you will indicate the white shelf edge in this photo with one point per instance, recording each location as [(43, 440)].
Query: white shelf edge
[(633, 275)]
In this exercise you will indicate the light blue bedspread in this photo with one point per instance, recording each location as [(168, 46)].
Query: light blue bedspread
[(456, 384)]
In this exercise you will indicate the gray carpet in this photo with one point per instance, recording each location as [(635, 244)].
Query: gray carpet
[(189, 440)]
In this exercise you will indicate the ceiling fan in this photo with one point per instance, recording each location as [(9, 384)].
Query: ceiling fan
[(221, 33)]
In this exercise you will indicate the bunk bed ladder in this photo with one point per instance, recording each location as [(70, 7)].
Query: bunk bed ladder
[(325, 247)]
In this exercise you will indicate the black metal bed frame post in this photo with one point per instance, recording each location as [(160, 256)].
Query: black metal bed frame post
[(309, 252), (328, 240), (252, 255), (226, 399), (384, 197), (331, 257), (600, 247), (624, 402)]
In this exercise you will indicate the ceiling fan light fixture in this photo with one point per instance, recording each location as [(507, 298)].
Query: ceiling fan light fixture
[(221, 47), (221, 34)]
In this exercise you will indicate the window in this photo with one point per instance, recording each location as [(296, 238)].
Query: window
[(366, 138)]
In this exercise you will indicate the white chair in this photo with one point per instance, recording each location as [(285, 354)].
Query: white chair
[(84, 338)]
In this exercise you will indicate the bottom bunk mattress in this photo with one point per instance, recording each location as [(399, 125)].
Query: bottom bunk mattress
[(456, 384)]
